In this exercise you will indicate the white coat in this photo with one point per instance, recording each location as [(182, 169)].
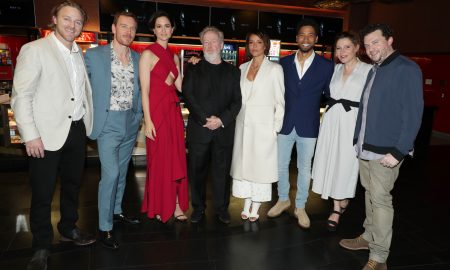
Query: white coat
[(42, 95), (257, 124)]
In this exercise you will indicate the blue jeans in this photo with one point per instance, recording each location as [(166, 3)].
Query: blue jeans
[(305, 152)]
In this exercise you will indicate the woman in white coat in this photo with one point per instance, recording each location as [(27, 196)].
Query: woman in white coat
[(254, 163)]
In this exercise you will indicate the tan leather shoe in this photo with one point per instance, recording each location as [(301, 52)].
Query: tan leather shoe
[(303, 219), (373, 265), (358, 243), (278, 208)]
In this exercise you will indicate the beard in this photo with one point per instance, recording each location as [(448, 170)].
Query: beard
[(125, 41), (211, 57), (305, 50)]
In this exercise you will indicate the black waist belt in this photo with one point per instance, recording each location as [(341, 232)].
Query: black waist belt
[(77, 122), (177, 104), (347, 104)]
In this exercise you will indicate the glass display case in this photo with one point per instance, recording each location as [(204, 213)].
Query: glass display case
[(229, 54), (9, 133), (8, 128)]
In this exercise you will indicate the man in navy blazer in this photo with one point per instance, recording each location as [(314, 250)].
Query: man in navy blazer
[(306, 77), (113, 72)]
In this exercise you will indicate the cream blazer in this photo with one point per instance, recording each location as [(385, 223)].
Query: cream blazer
[(42, 95), (257, 124)]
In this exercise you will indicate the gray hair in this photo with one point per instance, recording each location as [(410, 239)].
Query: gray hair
[(211, 29)]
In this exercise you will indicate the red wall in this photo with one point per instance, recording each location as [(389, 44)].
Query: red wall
[(436, 75), (14, 44)]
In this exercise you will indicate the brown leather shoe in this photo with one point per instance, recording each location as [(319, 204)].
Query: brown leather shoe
[(358, 243), (303, 219), (278, 208), (373, 265)]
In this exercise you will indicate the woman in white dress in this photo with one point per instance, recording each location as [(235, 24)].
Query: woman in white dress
[(254, 163), (335, 168)]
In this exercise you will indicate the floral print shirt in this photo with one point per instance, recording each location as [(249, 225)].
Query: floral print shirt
[(122, 83)]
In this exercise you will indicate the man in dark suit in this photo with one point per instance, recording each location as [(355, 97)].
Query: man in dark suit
[(113, 71), (306, 77), (213, 96)]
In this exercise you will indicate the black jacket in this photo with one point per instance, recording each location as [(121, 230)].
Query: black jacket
[(212, 90)]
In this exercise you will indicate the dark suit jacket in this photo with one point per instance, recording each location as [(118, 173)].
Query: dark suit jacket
[(302, 97), (205, 97)]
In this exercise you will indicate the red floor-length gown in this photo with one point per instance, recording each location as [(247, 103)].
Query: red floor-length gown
[(166, 155)]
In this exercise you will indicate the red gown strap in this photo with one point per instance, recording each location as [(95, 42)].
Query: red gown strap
[(165, 56)]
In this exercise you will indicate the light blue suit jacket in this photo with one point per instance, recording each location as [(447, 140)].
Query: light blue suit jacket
[(98, 65)]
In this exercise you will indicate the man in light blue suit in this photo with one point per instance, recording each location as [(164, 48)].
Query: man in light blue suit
[(114, 76)]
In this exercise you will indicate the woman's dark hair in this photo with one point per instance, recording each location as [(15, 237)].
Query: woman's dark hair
[(156, 15), (263, 36), (352, 36)]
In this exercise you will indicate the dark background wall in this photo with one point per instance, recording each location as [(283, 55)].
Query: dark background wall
[(421, 26), (44, 7)]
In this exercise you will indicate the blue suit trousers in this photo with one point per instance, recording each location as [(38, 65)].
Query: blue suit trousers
[(115, 147)]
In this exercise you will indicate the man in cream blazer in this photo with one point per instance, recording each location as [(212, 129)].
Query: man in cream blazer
[(52, 103)]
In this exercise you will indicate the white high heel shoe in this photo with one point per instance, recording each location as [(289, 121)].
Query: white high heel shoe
[(253, 217), (245, 215)]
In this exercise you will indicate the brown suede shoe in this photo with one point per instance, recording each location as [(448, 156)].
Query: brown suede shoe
[(303, 219), (358, 243), (278, 208), (373, 265)]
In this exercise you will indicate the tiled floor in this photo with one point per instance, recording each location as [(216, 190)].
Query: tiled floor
[(421, 229)]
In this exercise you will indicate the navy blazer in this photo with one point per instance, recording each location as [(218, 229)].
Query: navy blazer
[(98, 66), (302, 97)]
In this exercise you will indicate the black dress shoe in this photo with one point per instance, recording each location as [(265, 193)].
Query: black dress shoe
[(108, 240), (224, 217), (39, 260), (124, 219), (77, 237), (197, 216)]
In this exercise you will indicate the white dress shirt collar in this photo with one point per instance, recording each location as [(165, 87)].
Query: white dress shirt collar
[(62, 47), (306, 64)]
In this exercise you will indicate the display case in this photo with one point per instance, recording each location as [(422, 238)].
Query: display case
[(229, 54), (9, 133), (6, 70)]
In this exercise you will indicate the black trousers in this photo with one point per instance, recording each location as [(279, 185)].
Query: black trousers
[(68, 163), (199, 157)]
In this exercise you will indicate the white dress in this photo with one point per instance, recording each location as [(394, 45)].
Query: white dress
[(335, 168)]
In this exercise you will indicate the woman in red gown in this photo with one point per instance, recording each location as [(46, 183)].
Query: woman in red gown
[(166, 188)]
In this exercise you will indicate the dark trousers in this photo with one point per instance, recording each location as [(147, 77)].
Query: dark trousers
[(199, 157), (68, 163)]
